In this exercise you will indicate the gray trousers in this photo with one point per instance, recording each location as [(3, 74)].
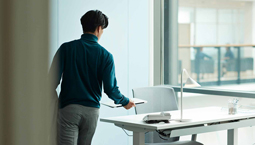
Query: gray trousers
[(77, 124)]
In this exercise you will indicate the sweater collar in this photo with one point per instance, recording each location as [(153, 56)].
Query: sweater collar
[(89, 37)]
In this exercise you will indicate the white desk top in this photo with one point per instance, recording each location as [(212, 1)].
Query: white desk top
[(198, 115)]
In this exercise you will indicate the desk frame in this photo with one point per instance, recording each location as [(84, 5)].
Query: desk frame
[(216, 121), (231, 127)]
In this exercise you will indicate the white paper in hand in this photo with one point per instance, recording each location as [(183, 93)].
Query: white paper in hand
[(112, 105)]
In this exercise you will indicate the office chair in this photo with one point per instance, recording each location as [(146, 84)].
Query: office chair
[(159, 98)]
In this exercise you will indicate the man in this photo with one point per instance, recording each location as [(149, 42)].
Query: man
[(200, 55), (227, 60), (84, 66), (229, 54)]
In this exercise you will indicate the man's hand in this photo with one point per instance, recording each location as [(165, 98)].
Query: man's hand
[(130, 105)]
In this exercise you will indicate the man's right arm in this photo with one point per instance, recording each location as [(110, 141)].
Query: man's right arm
[(110, 84)]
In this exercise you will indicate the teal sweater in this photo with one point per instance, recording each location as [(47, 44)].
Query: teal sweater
[(84, 66)]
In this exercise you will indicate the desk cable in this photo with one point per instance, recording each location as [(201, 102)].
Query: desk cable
[(162, 135), (128, 134)]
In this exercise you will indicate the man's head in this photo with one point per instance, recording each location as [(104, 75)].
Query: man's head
[(228, 48), (94, 22)]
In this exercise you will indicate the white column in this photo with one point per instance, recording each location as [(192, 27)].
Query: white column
[(253, 32), (253, 23), (171, 42), (157, 46)]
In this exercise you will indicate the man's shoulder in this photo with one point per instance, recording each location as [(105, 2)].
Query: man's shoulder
[(104, 51), (65, 45), (70, 43)]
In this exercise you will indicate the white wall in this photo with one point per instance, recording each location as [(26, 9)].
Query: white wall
[(126, 38), (253, 22)]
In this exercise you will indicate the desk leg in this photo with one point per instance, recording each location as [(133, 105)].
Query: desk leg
[(233, 136), (138, 138)]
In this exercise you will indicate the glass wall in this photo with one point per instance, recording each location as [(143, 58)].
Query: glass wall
[(215, 41), (216, 46)]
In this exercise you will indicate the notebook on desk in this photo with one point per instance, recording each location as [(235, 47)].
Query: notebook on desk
[(112, 105)]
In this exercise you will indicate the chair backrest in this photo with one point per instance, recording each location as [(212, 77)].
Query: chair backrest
[(160, 98)]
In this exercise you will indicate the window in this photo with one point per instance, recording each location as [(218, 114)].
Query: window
[(214, 41)]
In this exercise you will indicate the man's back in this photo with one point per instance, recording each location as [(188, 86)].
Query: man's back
[(84, 65), (82, 72), (229, 54)]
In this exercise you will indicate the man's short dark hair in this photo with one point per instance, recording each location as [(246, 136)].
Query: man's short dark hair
[(92, 19)]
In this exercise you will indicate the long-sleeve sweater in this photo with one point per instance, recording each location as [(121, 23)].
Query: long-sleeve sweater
[(84, 66)]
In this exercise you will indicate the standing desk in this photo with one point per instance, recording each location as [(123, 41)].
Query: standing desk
[(208, 119)]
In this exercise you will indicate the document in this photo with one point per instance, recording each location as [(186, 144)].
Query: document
[(112, 105)]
